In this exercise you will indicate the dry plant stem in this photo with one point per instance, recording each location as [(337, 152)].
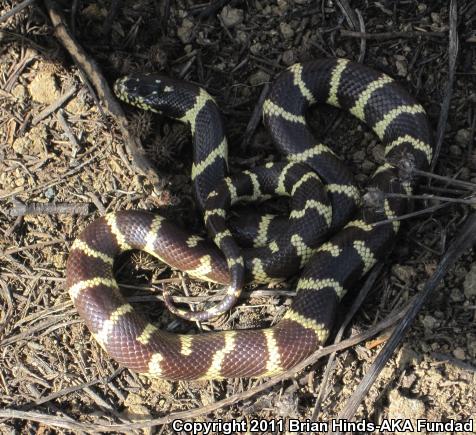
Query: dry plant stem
[(69, 133), (187, 415), (93, 72), (465, 239), (468, 201), (390, 35), (447, 180), (348, 13), (38, 208), (18, 8), (363, 42), (369, 283), (445, 106), (33, 246)]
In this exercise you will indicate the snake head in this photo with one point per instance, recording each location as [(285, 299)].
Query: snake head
[(157, 93)]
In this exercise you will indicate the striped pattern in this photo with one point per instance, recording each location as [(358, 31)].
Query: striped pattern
[(322, 195)]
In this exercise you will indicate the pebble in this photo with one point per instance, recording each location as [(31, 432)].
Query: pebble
[(256, 48), (403, 273), (288, 57), (402, 69), (459, 353), (258, 78), (469, 284), (378, 153), (242, 37), (429, 322), (406, 357), (283, 5), (43, 88), (184, 32), (286, 30), (231, 16), (19, 92), (463, 136), (33, 143), (456, 295)]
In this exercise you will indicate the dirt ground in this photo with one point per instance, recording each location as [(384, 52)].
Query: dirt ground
[(69, 150)]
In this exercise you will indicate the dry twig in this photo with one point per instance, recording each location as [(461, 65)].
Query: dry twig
[(38, 208), (445, 105), (15, 10)]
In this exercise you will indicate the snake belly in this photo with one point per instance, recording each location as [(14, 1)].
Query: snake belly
[(329, 269)]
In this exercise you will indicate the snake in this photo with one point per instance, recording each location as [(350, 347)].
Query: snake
[(329, 239)]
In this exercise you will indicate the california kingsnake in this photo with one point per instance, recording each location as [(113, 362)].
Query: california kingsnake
[(319, 203)]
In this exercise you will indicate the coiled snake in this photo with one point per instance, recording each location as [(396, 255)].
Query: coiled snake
[(323, 198)]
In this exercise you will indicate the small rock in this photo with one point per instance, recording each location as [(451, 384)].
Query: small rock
[(288, 57), (408, 381), (43, 88), (459, 353), (94, 12), (378, 153), (78, 105), (19, 92), (242, 36), (255, 48), (456, 295), (283, 5), (158, 56), (422, 7), (340, 52), (33, 143), (406, 357), (50, 193), (469, 284), (258, 78), (403, 273), (135, 408), (184, 32), (402, 69), (435, 17), (463, 136), (286, 30), (429, 322), (231, 17)]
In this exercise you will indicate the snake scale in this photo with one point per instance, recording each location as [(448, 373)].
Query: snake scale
[(327, 237)]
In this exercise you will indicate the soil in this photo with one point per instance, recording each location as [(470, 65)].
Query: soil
[(75, 154)]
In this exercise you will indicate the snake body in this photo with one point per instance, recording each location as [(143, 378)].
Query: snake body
[(323, 199)]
